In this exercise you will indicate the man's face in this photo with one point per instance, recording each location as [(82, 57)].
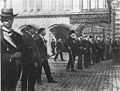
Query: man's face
[(7, 21), (43, 33)]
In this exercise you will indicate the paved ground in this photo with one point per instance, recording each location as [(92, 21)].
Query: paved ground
[(102, 77)]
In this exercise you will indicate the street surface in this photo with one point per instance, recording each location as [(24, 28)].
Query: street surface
[(104, 76)]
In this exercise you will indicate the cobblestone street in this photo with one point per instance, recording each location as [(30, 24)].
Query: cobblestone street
[(102, 77)]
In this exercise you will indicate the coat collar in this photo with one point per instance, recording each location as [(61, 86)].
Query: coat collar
[(7, 37)]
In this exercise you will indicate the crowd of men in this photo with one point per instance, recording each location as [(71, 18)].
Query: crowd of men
[(24, 55)]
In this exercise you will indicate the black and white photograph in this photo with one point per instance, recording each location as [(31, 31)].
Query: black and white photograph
[(60, 45)]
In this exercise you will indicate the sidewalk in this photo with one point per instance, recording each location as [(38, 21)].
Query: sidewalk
[(102, 77)]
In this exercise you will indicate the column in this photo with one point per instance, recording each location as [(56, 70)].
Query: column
[(25, 5), (105, 3), (31, 5), (97, 4), (71, 5), (81, 5), (10, 3), (4, 3), (35, 5), (88, 4), (28, 6), (39, 3)]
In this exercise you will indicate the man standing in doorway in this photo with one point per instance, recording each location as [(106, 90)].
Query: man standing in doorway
[(59, 47)]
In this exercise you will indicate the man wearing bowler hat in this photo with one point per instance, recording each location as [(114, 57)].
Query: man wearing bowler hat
[(72, 49), (11, 52), (41, 43)]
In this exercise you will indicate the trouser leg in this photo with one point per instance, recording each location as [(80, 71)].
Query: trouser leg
[(24, 79), (61, 55), (47, 70)]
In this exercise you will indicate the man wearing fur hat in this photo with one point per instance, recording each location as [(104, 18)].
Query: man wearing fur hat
[(11, 49)]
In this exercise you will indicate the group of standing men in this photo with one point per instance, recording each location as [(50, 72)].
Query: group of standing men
[(22, 55), (90, 50), (26, 55)]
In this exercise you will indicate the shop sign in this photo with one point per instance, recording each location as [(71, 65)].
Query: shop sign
[(89, 18)]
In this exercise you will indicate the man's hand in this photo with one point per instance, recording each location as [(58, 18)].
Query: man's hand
[(16, 55)]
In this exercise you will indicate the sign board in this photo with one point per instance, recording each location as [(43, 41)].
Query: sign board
[(89, 18)]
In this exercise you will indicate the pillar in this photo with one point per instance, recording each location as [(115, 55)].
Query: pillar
[(35, 5), (4, 3), (88, 4), (10, 3), (81, 5), (71, 5), (28, 6)]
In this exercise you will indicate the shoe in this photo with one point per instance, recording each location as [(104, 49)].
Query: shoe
[(63, 60), (52, 81)]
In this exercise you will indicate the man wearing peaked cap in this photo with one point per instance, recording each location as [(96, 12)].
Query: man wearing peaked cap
[(11, 52)]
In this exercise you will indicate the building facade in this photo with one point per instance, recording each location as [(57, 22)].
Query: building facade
[(89, 17)]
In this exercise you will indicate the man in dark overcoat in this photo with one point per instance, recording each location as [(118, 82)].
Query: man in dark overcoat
[(115, 50), (81, 52), (86, 44), (72, 49), (11, 52), (31, 59), (92, 49), (42, 48)]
